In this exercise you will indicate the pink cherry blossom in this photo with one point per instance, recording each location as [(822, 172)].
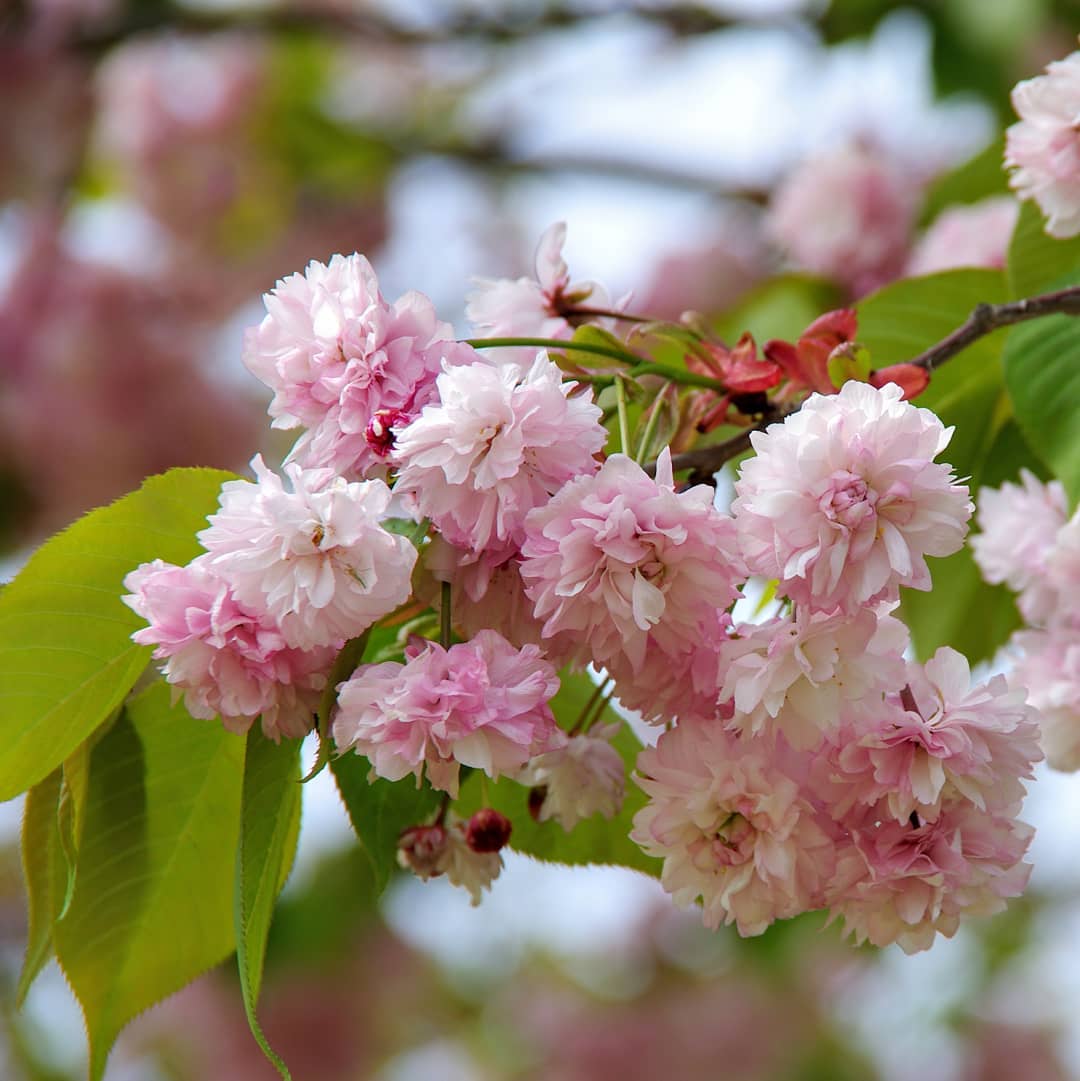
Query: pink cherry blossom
[(666, 687), (583, 778), (731, 828), (497, 444), (907, 882), (226, 659), (1043, 149), (794, 675), (345, 364), (315, 559), (945, 740), (976, 235), (847, 215), (481, 703), (1049, 670), (534, 307), (1019, 528), (842, 501), (619, 559)]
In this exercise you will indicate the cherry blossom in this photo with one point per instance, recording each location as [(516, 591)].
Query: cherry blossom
[(906, 882), (345, 364), (480, 703), (315, 559), (1019, 528), (731, 828), (618, 560), (228, 660), (498, 443), (793, 675), (843, 501), (1043, 149), (583, 778)]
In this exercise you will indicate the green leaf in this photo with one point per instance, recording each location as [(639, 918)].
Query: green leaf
[(1042, 372), (153, 903), (1037, 261), (269, 817), (66, 656), (782, 307), (596, 840), (45, 873), (379, 811)]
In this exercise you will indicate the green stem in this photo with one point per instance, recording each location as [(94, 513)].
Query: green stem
[(554, 343), (600, 706), (587, 709), (650, 425), (444, 617), (677, 375), (624, 421)]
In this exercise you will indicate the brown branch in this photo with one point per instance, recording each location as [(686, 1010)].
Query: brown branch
[(685, 20), (985, 319)]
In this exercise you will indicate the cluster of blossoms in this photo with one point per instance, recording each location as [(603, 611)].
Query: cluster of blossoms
[(1029, 542), (804, 763)]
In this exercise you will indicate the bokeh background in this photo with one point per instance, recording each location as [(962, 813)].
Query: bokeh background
[(162, 163)]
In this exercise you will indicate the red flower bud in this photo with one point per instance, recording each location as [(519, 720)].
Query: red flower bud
[(487, 830)]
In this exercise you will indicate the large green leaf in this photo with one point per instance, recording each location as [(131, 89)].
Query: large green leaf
[(268, 834), (45, 872), (66, 656), (153, 902), (380, 810), (595, 840), (1037, 261), (1042, 371)]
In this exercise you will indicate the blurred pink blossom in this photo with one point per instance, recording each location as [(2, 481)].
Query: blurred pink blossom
[(966, 236), (846, 215)]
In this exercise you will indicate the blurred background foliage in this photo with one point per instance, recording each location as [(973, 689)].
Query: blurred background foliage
[(161, 164)]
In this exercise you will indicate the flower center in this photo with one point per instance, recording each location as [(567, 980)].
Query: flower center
[(847, 499)]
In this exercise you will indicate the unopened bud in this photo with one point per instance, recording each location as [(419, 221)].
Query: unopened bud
[(487, 830), (421, 849)]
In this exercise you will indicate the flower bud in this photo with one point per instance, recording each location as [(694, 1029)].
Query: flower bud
[(487, 830), (421, 848)]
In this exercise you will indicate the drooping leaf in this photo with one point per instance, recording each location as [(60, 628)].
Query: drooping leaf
[(66, 655), (45, 873), (153, 903), (270, 813), (380, 810), (595, 840)]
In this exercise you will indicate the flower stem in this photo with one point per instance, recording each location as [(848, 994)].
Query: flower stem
[(563, 346), (645, 444), (444, 617), (587, 709), (624, 421)]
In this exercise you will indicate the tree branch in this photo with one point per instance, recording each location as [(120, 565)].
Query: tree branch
[(985, 319), (683, 20)]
